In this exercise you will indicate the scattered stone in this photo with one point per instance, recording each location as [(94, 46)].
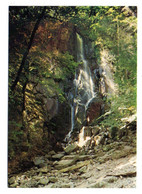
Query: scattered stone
[(100, 184), (42, 165), (83, 157), (111, 179), (85, 175), (54, 163), (52, 153), (14, 185), (38, 161), (73, 177), (11, 180), (65, 186), (44, 181), (30, 183), (58, 156), (50, 185), (71, 148), (83, 169), (48, 156), (64, 163), (53, 179), (69, 157), (74, 167), (130, 173), (37, 178), (45, 169), (23, 186)]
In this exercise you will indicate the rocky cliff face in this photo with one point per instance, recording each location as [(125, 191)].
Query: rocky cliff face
[(93, 83), (46, 119)]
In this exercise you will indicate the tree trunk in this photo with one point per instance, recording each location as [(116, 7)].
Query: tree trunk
[(27, 51)]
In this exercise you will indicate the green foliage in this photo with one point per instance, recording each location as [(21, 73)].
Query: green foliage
[(114, 28), (14, 139), (67, 65), (50, 69), (108, 27)]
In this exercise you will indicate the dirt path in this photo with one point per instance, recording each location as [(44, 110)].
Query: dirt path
[(119, 173)]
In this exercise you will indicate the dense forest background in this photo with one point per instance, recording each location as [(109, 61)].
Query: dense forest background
[(42, 66)]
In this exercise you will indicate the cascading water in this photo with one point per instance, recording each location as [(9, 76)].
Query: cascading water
[(83, 81), (83, 85), (72, 116)]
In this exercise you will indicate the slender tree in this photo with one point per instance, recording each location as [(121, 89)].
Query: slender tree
[(28, 48)]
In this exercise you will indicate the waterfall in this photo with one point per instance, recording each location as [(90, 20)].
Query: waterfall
[(83, 86), (83, 81), (71, 99)]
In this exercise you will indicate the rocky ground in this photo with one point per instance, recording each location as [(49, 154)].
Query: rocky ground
[(112, 165)]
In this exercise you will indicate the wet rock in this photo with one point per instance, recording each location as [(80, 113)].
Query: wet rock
[(71, 148)]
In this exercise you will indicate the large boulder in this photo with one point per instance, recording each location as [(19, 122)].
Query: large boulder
[(76, 166), (38, 161), (64, 163), (70, 148), (94, 110)]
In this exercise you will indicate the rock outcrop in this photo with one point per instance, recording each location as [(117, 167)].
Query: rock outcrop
[(107, 164)]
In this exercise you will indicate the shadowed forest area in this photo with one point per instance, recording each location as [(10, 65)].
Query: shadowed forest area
[(72, 96)]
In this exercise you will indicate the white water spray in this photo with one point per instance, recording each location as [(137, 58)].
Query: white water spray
[(83, 83)]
